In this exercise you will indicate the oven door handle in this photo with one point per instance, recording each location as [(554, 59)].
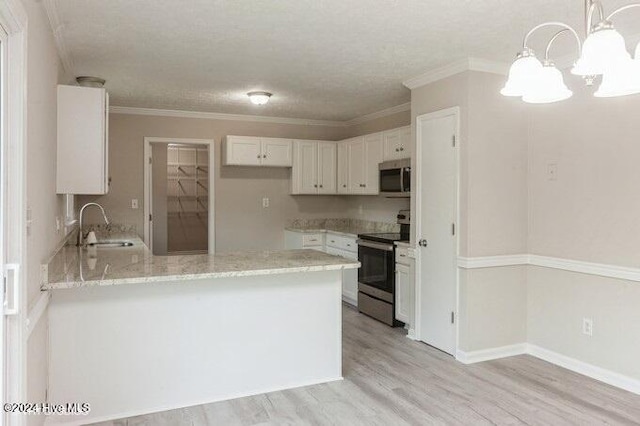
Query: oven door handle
[(374, 245)]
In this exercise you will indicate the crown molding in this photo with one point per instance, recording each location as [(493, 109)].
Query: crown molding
[(379, 114), (58, 34), (223, 116), (467, 64), (257, 118)]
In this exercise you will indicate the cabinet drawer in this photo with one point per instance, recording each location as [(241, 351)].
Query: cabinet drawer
[(402, 255), (342, 243), (312, 240)]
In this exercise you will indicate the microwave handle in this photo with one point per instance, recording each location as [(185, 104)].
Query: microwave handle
[(401, 179)]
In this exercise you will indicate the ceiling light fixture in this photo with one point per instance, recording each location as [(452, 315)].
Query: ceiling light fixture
[(259, 98), (603, 52)]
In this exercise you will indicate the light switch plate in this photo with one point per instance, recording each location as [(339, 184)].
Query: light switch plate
[(134, 203), (265, 202)]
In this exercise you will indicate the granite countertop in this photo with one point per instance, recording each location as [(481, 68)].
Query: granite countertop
[(347, 231), (72, 267)]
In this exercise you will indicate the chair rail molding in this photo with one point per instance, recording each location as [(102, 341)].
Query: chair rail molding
[(590, 268)]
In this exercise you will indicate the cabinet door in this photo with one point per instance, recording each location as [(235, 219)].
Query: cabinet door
[(82, 141), (405, 142), (243, 151), (304, 174), (343, 168), (327, 163), (373, 145), (392, 144), (349, 277), (276, 152), (403, 292), (357, 173)]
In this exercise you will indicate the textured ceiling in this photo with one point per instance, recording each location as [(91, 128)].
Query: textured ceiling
[(322, 59)]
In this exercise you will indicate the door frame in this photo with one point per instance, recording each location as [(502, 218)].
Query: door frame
[(13, 19), (148, 181), (417, 169)]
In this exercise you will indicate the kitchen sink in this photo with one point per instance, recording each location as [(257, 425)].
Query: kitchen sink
[(111, 244)]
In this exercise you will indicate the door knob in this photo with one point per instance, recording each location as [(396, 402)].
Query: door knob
[(422, 243)]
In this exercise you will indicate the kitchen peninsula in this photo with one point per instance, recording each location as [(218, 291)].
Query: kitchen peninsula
[(133, 333)]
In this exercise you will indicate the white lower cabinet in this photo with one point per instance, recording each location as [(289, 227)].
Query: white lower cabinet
[(303, 240), (402, 293), (331, 243), (404, 297), (349, 276)]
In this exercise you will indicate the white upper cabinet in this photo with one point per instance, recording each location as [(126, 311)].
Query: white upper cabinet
[(356, 159), (343, 168), (364, 154), (277, 152), (327, 167), (397, 143), (255, 151), (314, 167), (83, 141), (373, 146), (305, 168)]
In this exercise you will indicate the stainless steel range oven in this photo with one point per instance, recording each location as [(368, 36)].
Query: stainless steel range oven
[(376, 276)]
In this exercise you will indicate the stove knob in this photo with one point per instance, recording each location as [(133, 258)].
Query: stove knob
[(422, 243)]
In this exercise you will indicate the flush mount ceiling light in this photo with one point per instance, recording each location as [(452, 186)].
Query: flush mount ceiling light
[(259, 98), (603, 53)]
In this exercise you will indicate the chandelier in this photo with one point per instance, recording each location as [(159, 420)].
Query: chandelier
[(603, 53)]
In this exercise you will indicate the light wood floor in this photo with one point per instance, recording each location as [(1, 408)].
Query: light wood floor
[(391, 380)]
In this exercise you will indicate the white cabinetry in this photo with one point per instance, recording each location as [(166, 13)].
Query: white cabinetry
[(83, 142), (303, 240), (314, 167), (343, 168), (397, 143), (339, 245), (255, 151), (364, 154), (404, 295)]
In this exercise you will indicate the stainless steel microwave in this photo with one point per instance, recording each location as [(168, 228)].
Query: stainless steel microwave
[(395, 178)]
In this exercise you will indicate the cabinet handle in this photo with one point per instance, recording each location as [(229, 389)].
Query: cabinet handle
[(264, 156), (315, 186), (321, 186), (403, 255), (401, 149), (258, 155), (344, 186), (397, 150)]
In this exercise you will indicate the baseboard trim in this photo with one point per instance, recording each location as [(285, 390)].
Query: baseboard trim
[(597, 373), (491, 354), (82, 420)]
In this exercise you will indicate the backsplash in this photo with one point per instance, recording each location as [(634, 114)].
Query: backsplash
[(343, 225)]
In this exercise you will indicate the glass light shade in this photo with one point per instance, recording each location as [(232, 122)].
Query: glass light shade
[(601, 51), (621, 81), (259, 98), (549, 87), (637, 55), (522, 74)]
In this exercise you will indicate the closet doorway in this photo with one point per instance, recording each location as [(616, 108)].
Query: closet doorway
[(179, 196)]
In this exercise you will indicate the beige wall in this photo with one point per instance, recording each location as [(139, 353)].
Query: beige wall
[(43, 74), (589, 213), (493, 203), (241, 221)]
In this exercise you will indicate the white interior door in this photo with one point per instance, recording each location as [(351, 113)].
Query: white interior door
[(3, 192), (437, 212)]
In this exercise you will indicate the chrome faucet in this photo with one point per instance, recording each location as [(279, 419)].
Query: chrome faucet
[(81, 234)]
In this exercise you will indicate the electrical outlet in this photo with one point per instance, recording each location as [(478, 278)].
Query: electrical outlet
[(134, 203), (265, 202), (552, 171), (58, 224), (587, 327)]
